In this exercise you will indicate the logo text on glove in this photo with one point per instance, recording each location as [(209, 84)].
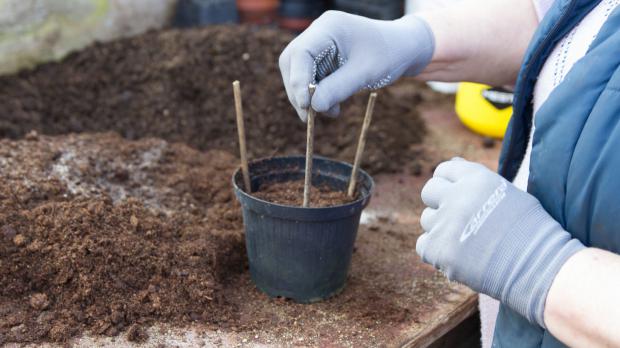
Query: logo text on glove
[(487, 208)]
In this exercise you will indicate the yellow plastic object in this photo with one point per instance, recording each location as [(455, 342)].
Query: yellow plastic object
[(484, 109)]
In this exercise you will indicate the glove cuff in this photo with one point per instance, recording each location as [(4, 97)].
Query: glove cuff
[(539, 248), (417, 29)]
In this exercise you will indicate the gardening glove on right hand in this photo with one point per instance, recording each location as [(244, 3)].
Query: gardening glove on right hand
[(344, 53), (482, 231)]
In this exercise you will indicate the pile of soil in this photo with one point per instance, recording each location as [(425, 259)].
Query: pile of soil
[(292, 192), (176, 85), (103, 234)]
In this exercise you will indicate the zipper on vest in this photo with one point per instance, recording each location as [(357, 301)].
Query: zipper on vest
[(556, 27), (535, 56)]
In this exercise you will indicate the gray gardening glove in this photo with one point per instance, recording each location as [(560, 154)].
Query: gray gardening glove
[(480, 230), (345, 53)]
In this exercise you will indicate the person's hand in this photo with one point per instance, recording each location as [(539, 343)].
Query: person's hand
[(480, 230), (344, 53)]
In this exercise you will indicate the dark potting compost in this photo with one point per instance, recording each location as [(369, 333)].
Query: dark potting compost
[(291, 193), (176, 85)]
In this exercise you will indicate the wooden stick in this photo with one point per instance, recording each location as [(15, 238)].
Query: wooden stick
[(361, 143), (241, 131), (309, 150)]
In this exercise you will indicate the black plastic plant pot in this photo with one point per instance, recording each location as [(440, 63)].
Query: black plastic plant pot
[(300, 253)]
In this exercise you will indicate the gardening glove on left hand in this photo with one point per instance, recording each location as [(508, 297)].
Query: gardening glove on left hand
[(480, 230)]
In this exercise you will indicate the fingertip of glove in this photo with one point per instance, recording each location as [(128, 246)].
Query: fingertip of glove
[(283, 59), (320, 103), (303, 118), (420, 245), (302, 98), (334, 111)]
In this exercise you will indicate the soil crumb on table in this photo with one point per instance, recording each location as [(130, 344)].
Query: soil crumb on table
[(292, 192), (176, 85)]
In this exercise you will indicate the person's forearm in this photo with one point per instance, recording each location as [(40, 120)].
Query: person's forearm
[(480, 41), (583, 306)]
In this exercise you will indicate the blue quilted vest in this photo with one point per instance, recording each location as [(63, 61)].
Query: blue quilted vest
[(575, 163)]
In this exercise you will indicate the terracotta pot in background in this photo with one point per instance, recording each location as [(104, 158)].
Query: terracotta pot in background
[(258, 11), (297, 15), (294, 24)]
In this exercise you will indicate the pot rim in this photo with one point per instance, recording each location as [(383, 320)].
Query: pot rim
[(305, 213)]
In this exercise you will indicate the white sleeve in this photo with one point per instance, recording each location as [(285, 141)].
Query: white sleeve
[(542, 6)]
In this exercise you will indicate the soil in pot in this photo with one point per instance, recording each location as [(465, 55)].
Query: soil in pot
[(291, 193)]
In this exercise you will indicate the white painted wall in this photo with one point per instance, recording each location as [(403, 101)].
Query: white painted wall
[(36, 31)]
